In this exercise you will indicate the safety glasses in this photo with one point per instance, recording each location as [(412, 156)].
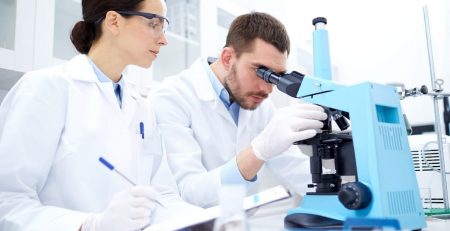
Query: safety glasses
[(158, 23)]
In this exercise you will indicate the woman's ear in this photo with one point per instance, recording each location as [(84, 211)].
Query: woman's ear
[(112, 22)]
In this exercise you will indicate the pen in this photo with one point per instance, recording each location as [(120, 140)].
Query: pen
[(141, 129), (111, 167)]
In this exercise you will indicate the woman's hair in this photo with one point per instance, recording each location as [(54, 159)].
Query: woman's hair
[(245, 29), (86, 31)]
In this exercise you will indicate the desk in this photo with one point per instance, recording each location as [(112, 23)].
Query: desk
[(270, 218)]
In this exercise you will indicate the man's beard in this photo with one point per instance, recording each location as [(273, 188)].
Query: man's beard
[(233, 87)]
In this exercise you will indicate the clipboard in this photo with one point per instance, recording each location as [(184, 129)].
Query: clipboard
[(204, 221)]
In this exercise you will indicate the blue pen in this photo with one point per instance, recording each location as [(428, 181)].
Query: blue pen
[(111, 167), (141, 129)]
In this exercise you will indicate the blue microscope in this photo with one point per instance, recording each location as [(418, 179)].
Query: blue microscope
[(376, 151)]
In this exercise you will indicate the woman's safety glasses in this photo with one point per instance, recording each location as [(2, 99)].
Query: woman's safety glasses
[(158, 23)]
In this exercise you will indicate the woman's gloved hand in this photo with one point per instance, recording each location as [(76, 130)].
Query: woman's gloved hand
[(128, 211), (289, 124)]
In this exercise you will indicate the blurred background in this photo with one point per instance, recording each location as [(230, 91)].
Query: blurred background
[(381, 41)]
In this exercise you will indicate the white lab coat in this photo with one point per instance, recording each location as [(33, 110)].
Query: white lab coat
[(54, 125), (201, 136)]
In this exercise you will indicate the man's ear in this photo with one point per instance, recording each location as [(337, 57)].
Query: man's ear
[(112, 22), (227, 57)]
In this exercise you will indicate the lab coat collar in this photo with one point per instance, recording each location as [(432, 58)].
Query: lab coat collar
[(205, 92), (202, 84), (80, 69), (204, 89)]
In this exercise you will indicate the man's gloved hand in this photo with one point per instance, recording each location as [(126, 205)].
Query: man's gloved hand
[(128, 210), (289, 124)]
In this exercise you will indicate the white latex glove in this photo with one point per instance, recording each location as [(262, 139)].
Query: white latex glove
[(289, 124), (129, 210)]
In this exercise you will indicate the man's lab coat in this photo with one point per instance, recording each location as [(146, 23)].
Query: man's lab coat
[(201, 137)]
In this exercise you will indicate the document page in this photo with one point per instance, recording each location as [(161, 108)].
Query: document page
[(204, 220)]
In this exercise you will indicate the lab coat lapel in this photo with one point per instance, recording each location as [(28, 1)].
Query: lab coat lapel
[(243, 120), (107, 90), (205, 91), (82, 71), (218, 106), (129, 98)]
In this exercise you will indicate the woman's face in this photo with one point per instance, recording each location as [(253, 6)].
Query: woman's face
[(142, 36)]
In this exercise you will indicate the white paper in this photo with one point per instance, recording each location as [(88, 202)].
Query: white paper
[(259, 199)]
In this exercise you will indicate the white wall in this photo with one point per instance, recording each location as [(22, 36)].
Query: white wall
[(370, 40), (381, 41)]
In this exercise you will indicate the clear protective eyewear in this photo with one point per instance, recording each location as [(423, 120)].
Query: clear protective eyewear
[(158, 23)]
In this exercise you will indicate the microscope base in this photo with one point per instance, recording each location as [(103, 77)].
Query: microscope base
[(311, 221)]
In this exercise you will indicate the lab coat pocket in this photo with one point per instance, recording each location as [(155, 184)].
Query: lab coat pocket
[(152, 148), (152, 144)]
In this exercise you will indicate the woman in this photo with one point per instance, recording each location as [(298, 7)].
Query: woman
[(55, 123)]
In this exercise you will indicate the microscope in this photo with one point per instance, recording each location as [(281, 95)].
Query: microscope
[(375, 153)]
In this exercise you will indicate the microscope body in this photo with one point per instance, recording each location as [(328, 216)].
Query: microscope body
[(376, 152)]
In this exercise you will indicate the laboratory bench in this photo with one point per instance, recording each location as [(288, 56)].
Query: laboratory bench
[(270, 218)]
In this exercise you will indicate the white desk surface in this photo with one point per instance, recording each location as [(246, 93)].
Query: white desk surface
[(270, 218)]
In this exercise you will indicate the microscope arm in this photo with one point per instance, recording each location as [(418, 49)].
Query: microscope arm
[(296, 84)]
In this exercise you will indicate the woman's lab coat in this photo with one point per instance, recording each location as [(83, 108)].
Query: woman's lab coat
[(54, 125), (201, 137)]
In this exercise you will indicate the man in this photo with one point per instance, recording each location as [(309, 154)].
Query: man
[(218, 126)]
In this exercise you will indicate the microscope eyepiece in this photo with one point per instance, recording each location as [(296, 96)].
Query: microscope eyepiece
[(319, 20), (268, 75), (287, 83)]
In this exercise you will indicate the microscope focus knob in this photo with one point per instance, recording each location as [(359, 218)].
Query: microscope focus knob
[(355, 195)]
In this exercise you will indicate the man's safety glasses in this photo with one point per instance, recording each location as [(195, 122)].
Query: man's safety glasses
[(158, 23)]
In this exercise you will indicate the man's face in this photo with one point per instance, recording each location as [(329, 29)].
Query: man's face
[(242, 83)]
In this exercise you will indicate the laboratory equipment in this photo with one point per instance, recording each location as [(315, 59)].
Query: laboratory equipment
[(425, 153), (403, 92), (437, 90), (437, 93), (446, 115), (376, 153), (232, 215)]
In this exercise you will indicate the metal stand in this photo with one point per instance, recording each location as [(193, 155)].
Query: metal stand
[(436, 96)]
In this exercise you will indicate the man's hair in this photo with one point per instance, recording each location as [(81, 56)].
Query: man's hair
[(245, 29)]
